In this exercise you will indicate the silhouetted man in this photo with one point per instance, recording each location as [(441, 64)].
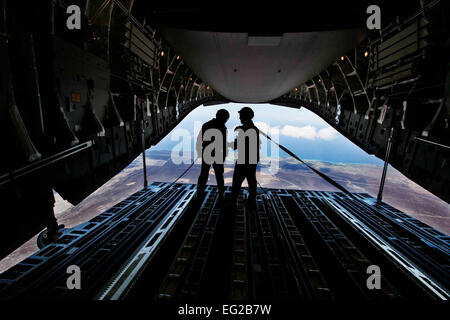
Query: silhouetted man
[(247, 144), (212, 147)]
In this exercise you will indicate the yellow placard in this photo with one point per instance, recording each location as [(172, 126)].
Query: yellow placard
[(76, 97)]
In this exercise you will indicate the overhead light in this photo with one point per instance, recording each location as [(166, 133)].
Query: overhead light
[(366, 54), (162, 53), (342, 58)]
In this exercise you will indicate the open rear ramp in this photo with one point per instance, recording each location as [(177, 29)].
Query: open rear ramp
[(164, 243)]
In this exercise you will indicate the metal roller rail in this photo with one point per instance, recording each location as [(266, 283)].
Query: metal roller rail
[(191, 285), (124, 279), (94, 257), (25, 272), (348, 256), (240, 252), (421, 266), (269, 280), (411, 245), (173, 284), (308, 276), (85, 250), (410, 227), (295, 245), (149, 223)]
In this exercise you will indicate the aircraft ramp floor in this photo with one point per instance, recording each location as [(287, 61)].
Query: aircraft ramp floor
[(163, 243)]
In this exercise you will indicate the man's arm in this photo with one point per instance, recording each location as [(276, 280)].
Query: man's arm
[(225, 144), (234, 143)]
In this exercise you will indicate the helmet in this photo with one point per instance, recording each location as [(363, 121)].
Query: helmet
[(222, 114), (246, 113)]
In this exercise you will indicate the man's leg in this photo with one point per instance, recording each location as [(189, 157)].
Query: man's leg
[(52, 225), (251, 180), (203, 177), (49, 213), (218, 170), (238, 178)]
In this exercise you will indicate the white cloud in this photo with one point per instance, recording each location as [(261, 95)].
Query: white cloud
[(327, 133), (263, 126), (306, 132)]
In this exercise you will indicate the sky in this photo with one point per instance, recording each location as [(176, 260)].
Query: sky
[(299, 130)]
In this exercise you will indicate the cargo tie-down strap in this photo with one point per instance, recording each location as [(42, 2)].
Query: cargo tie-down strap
[(322, 175), (185, 171)]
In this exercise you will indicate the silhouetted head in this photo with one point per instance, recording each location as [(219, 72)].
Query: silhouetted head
[(222, 115), (246, 114)]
